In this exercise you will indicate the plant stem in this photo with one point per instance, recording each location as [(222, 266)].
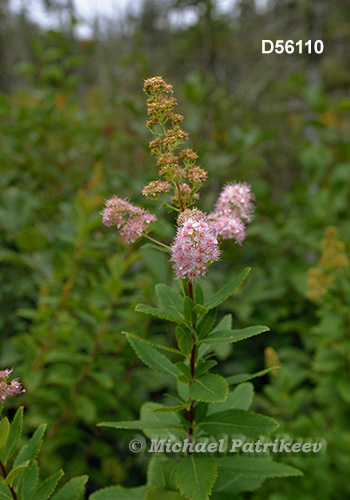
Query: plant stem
[(4, 472), (157, 242), (192, 368)]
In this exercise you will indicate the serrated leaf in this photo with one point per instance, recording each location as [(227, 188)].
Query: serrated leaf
[(73, 490), (231, 422), (256, 467), (153, 344), (198, 296), (4, 431), (209, 388), (228, 336), (206, 323), (15, 471), (228, 482), (195, 477), (47, 487), (27, 481), (188, 310), (152, 358), (199, 309), (224, 324), (155, 472), (168, 409), (159, 313), (31, 450), (186, 343), (168, 299), (169, 469), (162, 493), (205, 366), (224, 293), (148, 420), (117, 492), (240, 398), (13, 437), (243, 377), (5, 493)]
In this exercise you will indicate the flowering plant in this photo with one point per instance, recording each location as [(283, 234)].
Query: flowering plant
[(205, 407)]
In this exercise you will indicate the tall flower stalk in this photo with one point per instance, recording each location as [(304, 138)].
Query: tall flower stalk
[(194, 248)]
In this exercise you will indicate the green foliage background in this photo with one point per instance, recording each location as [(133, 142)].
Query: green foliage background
[(72, 118)]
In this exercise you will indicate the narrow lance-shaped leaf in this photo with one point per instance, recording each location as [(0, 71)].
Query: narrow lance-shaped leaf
[(168, 299), (243, 377), (224, 293), (73, 490), (47, 487), (232, 422), (152, 358), (162, 493), (13, 437), (256, 467), (229, 336), (4, 431), (153, 344)]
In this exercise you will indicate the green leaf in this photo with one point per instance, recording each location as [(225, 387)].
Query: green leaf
[(224, 324), (5, 493), (27, 481), (162, 493), (206, 323), (152, 358), (198, 294), (199, 309), (228, 482), (185, 342), (4, 431), (227, 290), (168, 409), (256, 467), (204, 366), (46, 488), (209, 388), (240, 398), (148, 420), (169, 469), (73, 490), (231, 422), (159, 313), (195, 477), (119, 493), (155, 471), (188, 310), (168, 299), (13, 437), (153, 344), (14, 473), (243, 377), (228, 336), (31, 450)]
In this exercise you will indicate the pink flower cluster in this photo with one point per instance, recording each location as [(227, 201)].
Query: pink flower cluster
[(233, 208), (132, 221), (195, 247), (8, 389)]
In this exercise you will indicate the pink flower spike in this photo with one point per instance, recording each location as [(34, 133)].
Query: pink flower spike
[(194, 248), (236, 199), (132, 221)]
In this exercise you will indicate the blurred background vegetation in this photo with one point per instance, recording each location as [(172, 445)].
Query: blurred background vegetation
[(72, 117)]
